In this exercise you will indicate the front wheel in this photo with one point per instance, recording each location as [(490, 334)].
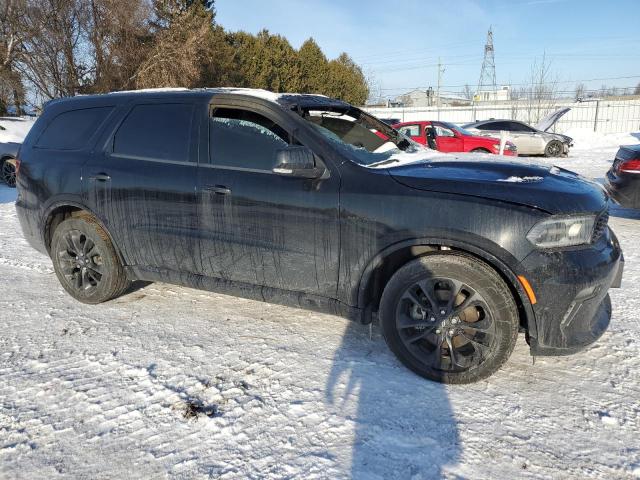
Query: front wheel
[(86, 262), (553, 149), (449, 318), (8, 171)]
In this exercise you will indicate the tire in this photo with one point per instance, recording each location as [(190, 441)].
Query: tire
[(86, 262), (480, 150), (553, 149), (8, 171), (480, 326)]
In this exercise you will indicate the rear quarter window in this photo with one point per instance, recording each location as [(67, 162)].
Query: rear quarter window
[(73, 129)]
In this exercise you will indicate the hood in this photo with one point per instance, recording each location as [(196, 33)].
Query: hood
[(552, 189), (550, 120)]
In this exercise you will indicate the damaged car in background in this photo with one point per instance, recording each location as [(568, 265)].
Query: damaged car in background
[(529, 140), (295, 199)]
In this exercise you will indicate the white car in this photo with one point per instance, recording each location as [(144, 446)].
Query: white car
[(529, 140)]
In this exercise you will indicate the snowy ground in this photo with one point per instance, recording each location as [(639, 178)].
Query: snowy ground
[(172, 382), (13, 129)]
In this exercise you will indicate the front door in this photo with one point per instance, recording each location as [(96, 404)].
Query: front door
[(143, 186), (415, 132), (258, 227), (446, 139)]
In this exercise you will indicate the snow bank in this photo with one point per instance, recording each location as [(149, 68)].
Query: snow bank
[(587, 139), (14, 129)]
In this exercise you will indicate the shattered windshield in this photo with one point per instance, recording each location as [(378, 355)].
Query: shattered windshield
[(368, 141)]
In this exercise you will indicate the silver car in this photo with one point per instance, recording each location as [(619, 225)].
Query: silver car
[(529, 140)]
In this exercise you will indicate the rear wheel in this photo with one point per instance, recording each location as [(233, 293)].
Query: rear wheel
[(449, 318), (553, 149), (86, 262), (8, 172)]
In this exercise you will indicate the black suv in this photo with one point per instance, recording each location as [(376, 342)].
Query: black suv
[(308, 201)]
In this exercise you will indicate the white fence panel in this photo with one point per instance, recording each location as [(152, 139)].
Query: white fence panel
[(605, 116)]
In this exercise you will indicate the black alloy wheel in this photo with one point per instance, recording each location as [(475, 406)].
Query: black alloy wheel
[(445, 324), (8, 172), (85, 260), (449, 317)]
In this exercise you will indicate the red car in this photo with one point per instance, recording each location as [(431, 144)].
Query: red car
[(447, 137)]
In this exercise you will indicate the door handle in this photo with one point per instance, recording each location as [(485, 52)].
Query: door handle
[(100, 177), (218, 189)]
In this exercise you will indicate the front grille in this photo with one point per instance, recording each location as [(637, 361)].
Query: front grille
[(601, 225)]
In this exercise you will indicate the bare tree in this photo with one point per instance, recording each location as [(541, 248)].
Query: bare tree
[(637, 90), (12, 16), (181, 45), (542, 92), (375, 87), (53, 61), (580, 89), (82, 46), (467, 92)]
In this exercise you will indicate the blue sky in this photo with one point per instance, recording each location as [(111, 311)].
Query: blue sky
[(399, 42)]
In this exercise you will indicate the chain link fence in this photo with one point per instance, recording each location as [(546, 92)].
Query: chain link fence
[(604, 116)]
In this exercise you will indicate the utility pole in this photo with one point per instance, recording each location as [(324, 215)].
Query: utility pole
[(440, 72)]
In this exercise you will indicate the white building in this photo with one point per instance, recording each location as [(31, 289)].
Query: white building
[(503, 93), (429, 98)]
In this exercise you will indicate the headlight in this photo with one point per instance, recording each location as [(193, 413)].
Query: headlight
[(562, 231)]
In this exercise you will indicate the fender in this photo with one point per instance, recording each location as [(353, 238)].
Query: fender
[(492, 254), (72, 201)]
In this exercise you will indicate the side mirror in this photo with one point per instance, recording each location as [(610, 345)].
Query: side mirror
[(297, 161)]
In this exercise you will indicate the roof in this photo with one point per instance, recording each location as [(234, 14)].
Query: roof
[(287, 100)]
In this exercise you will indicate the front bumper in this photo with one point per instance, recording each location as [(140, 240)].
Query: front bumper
[(573, 308)]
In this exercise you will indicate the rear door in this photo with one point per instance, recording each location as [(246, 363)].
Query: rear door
[(143, 185), (527, 139), (258, 227)]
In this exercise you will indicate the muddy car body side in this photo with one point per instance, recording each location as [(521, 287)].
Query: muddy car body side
[(329, 243)]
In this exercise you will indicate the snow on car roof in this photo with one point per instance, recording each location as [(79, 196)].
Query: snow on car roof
[(303, 100), (150, 90)]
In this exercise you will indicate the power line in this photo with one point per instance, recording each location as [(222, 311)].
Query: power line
[(525, 84)]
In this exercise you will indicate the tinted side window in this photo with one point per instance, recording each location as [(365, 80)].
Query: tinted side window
[(72, 130), (243, 139), (519, 127), (160, 131), (410, 130), (493, 126)]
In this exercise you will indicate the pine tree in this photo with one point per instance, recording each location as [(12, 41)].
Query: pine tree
[(313, 66), (266, 61), (346, 81)]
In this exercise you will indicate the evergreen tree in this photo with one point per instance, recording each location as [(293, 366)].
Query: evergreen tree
[(314, 67), (267, 61), (346, 81)]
